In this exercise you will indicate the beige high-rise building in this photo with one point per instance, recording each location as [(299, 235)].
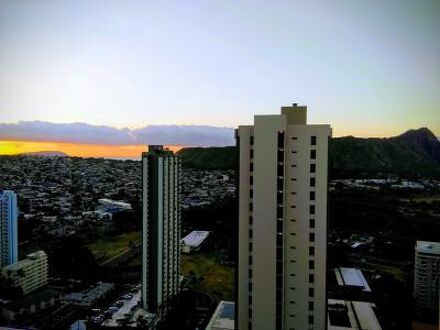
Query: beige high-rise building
[(30, 273), (426, 280), (281, 280)]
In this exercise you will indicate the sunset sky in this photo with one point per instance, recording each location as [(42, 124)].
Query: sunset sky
[(124, 69)]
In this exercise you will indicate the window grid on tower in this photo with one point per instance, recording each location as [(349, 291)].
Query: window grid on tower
[(279, 232)]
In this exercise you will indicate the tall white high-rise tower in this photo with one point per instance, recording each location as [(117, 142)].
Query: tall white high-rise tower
[(283, 168)]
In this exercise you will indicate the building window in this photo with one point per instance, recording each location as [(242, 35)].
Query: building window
[(280, 156), (311, 278), (250, 273), (250, 260), (311, 237), (294, 138), (311, 306), (280, 198), (311, 250), (279, 212), (312, 168), (312, 182), (280, 170), (310, 319), (312, 223), (251, 207), (313, 140), (250, 246), (312, 195), (251, 167), (280, 139), (252, 153), (311, 264), (251, 220), (252, 140), (279, 226), (313, 154), (312, 209), (280, 183), (279, 266), (311, 292), (251, 193), (251, 180), (250, 233)]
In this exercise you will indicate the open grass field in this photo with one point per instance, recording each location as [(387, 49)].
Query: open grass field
[(210, 274), (426, 199), (108, 247)]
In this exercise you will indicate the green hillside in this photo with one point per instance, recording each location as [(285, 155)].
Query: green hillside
[(413, 152), (209, 158)]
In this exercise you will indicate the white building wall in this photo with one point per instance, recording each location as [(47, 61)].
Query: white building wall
[(304, 247)]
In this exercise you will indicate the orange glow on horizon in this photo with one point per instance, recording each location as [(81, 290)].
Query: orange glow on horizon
[(76, 149)]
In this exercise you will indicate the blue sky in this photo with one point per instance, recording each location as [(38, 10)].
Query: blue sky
[(369, 68)]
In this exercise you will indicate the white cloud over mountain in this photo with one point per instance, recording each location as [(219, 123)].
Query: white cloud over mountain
[(185, 135)]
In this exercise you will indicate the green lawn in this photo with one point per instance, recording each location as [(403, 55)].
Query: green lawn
[(426, 199), (210, 275), (110, 246)]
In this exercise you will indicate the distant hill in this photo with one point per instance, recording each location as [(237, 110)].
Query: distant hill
[(413, 152), (45, 154), (209, 158)]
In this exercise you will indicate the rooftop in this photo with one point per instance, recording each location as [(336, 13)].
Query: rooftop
[(195, 238), (91, 295), (351, 315), (351, 277), (113, 202), (130, 312), (25, 262), (428, 247), (33, 298), (223, 317)]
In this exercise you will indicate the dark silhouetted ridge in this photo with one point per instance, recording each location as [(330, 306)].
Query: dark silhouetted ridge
[(415, 152), (45, 154)]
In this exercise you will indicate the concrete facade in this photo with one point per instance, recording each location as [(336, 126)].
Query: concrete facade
[(30, 273), (282, 241), (8, 228), (426, 279), (352, 315), (223, 317), (160, 229)]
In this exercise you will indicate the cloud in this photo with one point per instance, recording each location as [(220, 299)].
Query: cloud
[(186, 135)]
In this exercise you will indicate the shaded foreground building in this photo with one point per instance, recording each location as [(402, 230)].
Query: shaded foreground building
[(282, 240), (160, 229), (426, 280)]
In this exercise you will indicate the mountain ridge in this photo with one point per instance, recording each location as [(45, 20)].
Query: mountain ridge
[(415, 152), (48, 153)]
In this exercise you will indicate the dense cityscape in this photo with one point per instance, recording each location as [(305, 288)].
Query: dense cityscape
[(79, 256), (219, 165)]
